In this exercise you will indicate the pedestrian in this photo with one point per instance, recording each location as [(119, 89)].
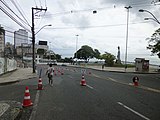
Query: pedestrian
[(102, 66), (50, 72)]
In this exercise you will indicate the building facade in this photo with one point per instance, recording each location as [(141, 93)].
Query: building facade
[(20, 37), (2, 41)]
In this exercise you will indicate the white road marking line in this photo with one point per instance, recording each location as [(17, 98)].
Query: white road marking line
[(33, 114), (4, 108), (70, 76), (89, 86), (130, 84), (142, 116), (150, 89), (112, 79), (96, 75)]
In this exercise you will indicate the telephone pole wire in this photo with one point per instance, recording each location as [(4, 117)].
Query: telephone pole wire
[(33, 37)]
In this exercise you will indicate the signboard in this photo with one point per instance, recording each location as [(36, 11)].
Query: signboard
[(83, 71), (42, 42)]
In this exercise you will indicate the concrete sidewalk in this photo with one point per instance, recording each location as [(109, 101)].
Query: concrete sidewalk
[(10, 110), (19, 74), (122, 70)]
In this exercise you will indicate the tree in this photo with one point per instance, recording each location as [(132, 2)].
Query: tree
[(58, 57), (68, 60), (85, 52), (96, 54), (109, 58), (154, 43)]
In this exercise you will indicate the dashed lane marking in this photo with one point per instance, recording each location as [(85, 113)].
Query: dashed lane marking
[(33, 114), (112, 79), (135, 112), (90, 86), (96, 75), (149, 89), (130, 84)]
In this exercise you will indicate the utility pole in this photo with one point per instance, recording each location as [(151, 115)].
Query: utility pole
[(76, 48), (128, 7), (33, 36)]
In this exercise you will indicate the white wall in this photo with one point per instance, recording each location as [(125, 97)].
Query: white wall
[(11, 64), (1, 65)]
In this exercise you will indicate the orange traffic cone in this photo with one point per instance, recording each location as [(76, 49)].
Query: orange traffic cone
[(27, 101), (135, 80), (40, 86), (83, 81)]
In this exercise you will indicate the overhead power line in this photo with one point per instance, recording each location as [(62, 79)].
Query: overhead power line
[(15, 20), (16, 33), (140, 4), (112, 25), (4, 3), (20, 12), (16, 37)]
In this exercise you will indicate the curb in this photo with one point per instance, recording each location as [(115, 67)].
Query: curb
[(15, 81), (8, 72), (116, 71), (9, 82), (125, 72)]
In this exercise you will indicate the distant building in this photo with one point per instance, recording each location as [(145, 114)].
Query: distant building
[(142, 65), (20, 37), (2, 41), (26, 50)]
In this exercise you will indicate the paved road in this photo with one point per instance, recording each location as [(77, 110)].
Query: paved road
[(103, 98), (108, 95)]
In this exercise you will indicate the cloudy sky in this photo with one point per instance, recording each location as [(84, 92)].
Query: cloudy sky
[(105, 30)]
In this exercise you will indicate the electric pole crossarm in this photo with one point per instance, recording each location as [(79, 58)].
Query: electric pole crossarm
[(33, 37)]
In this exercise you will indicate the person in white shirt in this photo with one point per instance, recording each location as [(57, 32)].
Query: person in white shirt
[(50, 72)]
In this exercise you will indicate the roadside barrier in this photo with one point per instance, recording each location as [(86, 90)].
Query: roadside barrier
[(40, 86), (83, 81), (135, 81), (27, 100)]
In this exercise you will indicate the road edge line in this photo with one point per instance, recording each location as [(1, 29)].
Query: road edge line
[(142, 116), (32, 117)]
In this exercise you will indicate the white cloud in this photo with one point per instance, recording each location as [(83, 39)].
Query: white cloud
[(104, 31)]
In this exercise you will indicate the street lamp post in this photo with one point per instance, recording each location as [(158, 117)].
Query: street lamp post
[(154, 17), (50, 51), (33, 36), (42, 28), (76, 47), (128, 7), (33, 43)]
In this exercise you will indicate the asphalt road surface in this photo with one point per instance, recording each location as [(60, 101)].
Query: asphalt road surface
[(107, 96)]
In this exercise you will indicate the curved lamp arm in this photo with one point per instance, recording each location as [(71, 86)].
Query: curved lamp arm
[(155, 19), (42, 28)]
